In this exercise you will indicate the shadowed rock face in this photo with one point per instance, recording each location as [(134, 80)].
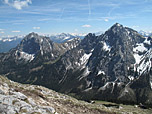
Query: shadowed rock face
[(112, 66)]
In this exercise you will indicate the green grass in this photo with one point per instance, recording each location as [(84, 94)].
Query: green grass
[(126, 108), (52, 61)]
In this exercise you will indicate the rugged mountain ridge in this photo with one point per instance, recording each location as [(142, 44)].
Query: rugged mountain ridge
[(33, 44), (64, 37), (107, 67), (145, 33), (32, 51), (7, 43)]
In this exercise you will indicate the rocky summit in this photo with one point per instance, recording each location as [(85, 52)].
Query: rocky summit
[(114, 66)]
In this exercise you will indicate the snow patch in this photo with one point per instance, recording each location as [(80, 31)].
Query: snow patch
[(146, 62), (70, 40), (41, 50), (32, 36), (143, 66), (26, 56), (76, 63), (140, 48), (41, 40), (8, 40), (80, 51), (68, 66), (52, 55), (147, 41), (105, 86), (106, 47), (101, 72), (117, 24), (126, 91), (92, 50), (85, 73), (128, 32), (86, 90), (131, 77), (66, 38), (119, 84), (85, 58), (137, 58), (113, 85)]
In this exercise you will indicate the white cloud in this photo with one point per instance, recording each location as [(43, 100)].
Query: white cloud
[(1, 29), (16, 31), (106, 20), (86, 26), (2, 32), (18, 4), (76, 30), (6, 1), (36, 27), (135, 26), (89, 7)]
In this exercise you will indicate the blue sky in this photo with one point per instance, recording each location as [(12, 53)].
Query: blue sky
[(19, 17)]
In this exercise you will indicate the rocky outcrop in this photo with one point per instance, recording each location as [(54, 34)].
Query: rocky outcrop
[(16, 98)]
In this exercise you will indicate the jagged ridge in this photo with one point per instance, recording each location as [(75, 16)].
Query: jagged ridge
[(99, 67)]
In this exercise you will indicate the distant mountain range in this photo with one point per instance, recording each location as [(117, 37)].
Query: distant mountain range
[(145, 33), (7, 43), (114, 66), (63, 37)]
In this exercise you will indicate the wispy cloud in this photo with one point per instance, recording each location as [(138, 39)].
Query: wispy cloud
[(86, 26), (89, 7), (106, 20), (2, 32), (17, 23), (62, 13), (76, 30), (1, 29), (36, 28), (112, 9), (14, 21), (16, 31), (48, 19), (18, 4), (44, 19), (135, 27)]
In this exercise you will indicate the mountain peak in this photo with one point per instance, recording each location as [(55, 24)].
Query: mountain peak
[(32, 34), (116, 28), (117, 25)]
